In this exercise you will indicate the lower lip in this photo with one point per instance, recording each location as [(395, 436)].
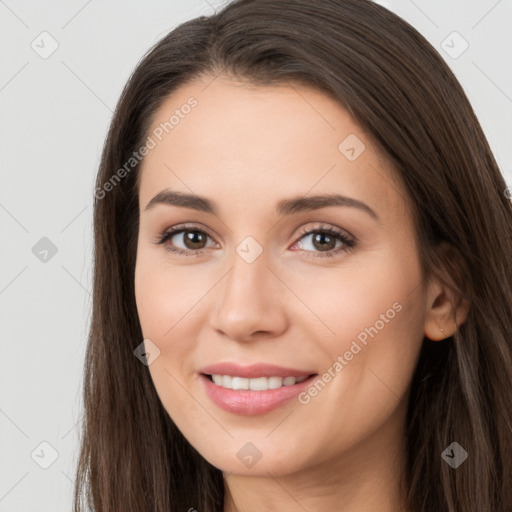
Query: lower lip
[(249, 402)]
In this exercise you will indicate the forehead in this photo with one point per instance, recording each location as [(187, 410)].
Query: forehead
[(218, 136)]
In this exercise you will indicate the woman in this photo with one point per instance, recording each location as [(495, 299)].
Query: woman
[(302, 288)]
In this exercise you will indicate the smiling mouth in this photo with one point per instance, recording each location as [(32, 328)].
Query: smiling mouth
[(255, 384)]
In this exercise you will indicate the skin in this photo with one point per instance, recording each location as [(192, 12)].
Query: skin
[(246, 148)]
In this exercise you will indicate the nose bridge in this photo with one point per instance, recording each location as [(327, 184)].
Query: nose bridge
[(247, 281), (248, 300)]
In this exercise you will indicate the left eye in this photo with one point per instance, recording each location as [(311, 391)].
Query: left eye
[(322, 238), (325, 241)]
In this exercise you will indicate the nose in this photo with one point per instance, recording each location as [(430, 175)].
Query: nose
[(250, 302)]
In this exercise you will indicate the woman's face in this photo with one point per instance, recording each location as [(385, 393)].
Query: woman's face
[(252, 287)]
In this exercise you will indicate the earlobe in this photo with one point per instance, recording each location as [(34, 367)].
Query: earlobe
[(446, 312), (446, 306)]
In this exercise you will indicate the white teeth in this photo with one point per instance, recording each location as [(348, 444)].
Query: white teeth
[(239, 383), (218, 379), (256, 384), (275, 382), (259, 384)]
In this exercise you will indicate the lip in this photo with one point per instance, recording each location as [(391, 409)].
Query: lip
[(253, 371), (247, 402)]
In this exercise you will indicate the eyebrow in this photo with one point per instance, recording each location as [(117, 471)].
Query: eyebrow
[(284, 207)]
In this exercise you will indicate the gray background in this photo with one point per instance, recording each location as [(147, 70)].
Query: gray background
[(54, 116)]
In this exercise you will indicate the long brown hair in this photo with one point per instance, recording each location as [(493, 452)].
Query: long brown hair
[(133, 457)]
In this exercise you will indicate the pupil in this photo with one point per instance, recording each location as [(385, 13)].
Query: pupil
[(192, 237), (320, 236)]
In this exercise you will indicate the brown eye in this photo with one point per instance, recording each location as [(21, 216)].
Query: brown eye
[(194, 239), (323, 241)]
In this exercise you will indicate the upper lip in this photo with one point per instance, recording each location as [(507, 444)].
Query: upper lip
[(253, 370)]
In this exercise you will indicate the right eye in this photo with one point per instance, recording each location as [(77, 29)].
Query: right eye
[(190, 235)]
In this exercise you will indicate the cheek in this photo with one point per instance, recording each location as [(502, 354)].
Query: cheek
[(371, 315), (151, 299), (164, 295), (370, 359), (165, 301), (371, 288), (168, 304)]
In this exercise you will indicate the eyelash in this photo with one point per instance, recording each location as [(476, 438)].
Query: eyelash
[(350, 243)]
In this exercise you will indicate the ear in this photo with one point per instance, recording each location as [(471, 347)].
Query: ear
[(447, 308)]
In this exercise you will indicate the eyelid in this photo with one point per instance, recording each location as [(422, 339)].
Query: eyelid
[(163, 236), (182, 227), (327, 227), (346, 237)]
